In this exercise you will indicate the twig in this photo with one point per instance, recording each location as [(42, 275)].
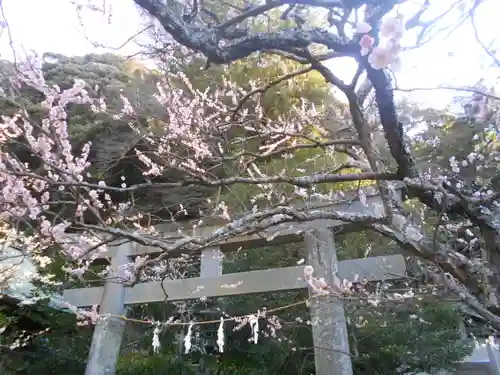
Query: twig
[(303, 181), (476, 35), (263, 89), (451, 88)]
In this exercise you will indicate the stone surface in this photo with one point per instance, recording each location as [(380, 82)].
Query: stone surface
[(330, 337)]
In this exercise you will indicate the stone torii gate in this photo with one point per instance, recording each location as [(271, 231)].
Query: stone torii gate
[(327, 313)]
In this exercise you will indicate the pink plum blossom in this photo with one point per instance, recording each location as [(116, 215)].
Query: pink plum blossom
[(366, 44), (380, 57)]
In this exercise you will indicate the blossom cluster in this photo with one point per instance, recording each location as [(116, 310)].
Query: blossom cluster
[(318, 285), (28, 190), (60, 173), (386, 52), (183, 140)]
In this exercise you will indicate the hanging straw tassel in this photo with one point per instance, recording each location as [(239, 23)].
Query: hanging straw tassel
[(156, 339), (220, 335), (187, 339), (253, 320)]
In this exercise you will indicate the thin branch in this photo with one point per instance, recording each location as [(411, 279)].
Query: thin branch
[(250, 224), (258, 10), (478, 39), (450, 88), (207, 40), (263, 89), (298, 57), (304, 181), (289, 149), (122, 45), (252, 12)]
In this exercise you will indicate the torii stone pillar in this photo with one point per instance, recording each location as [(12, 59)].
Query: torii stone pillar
[(108, 332), (331, 341), (211, 262)]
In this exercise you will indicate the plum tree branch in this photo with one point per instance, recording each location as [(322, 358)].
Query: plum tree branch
[(262, 90), (303, 181), (208, 40), (289, 149), (252, 223)]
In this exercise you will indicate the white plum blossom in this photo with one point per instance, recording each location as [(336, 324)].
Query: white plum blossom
[(363, 28), (308, 271), (393, 27), (317, 285)]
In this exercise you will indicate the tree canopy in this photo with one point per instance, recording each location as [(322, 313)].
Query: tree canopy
[(241, 122)]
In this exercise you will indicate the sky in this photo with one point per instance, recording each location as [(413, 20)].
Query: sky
[(54, 26)]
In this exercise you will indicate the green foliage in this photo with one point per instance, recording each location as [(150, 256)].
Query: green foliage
[(421, 337), (30, 317), (424, 339), (389, 337), (55, 345), (147, 364), (462, 138)]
